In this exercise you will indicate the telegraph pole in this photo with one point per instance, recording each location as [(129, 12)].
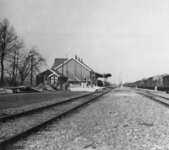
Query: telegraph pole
[(16, 69), (31, 69), (62, 76), (103, 80), (121, 81), (67, 67), (14, 66), (62, 68)]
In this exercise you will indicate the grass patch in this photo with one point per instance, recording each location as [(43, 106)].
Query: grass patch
[(17, 100)]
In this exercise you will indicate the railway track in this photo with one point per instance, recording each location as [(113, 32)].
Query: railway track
[(18, 126), (23, 113), (158, 98), (157, 95)]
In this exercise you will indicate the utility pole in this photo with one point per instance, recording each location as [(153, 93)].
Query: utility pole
[(75, 71), (16, 69), (103, 80), (14, 66), (31, 69), (62, 69), (81, 73), (121, 81), (62, 76), (67, 67)]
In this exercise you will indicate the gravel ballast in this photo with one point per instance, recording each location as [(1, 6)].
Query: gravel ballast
[(119, 120), (13, 127)]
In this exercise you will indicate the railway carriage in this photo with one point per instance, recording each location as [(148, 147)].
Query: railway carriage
[(166, 81), (159, 81)]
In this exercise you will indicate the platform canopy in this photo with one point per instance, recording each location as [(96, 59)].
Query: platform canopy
[(106, 75)]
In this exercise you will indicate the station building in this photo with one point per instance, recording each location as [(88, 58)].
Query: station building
[(70, 70)]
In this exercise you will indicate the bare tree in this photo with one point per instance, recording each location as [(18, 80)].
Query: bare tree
[(11, 71), (29, 64), (37, 61), (24, 67), (7, 43)]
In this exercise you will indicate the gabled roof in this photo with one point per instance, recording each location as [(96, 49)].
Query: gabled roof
[(50, 72), (55, 72), (58, 61), (84, 65), (47, 72), (61, 61)]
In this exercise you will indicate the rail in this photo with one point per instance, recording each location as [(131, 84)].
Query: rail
[(11, 140)]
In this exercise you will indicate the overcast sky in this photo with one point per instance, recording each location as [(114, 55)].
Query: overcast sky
[(112, 36)]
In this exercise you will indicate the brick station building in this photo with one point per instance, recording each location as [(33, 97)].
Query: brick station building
[(70, 70)]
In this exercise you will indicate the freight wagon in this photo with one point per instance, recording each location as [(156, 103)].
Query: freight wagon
[(159, 82)]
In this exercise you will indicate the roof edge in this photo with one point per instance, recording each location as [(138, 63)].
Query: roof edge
[(76, 61)]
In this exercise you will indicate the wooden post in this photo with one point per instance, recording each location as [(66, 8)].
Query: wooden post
[(31, 69)]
